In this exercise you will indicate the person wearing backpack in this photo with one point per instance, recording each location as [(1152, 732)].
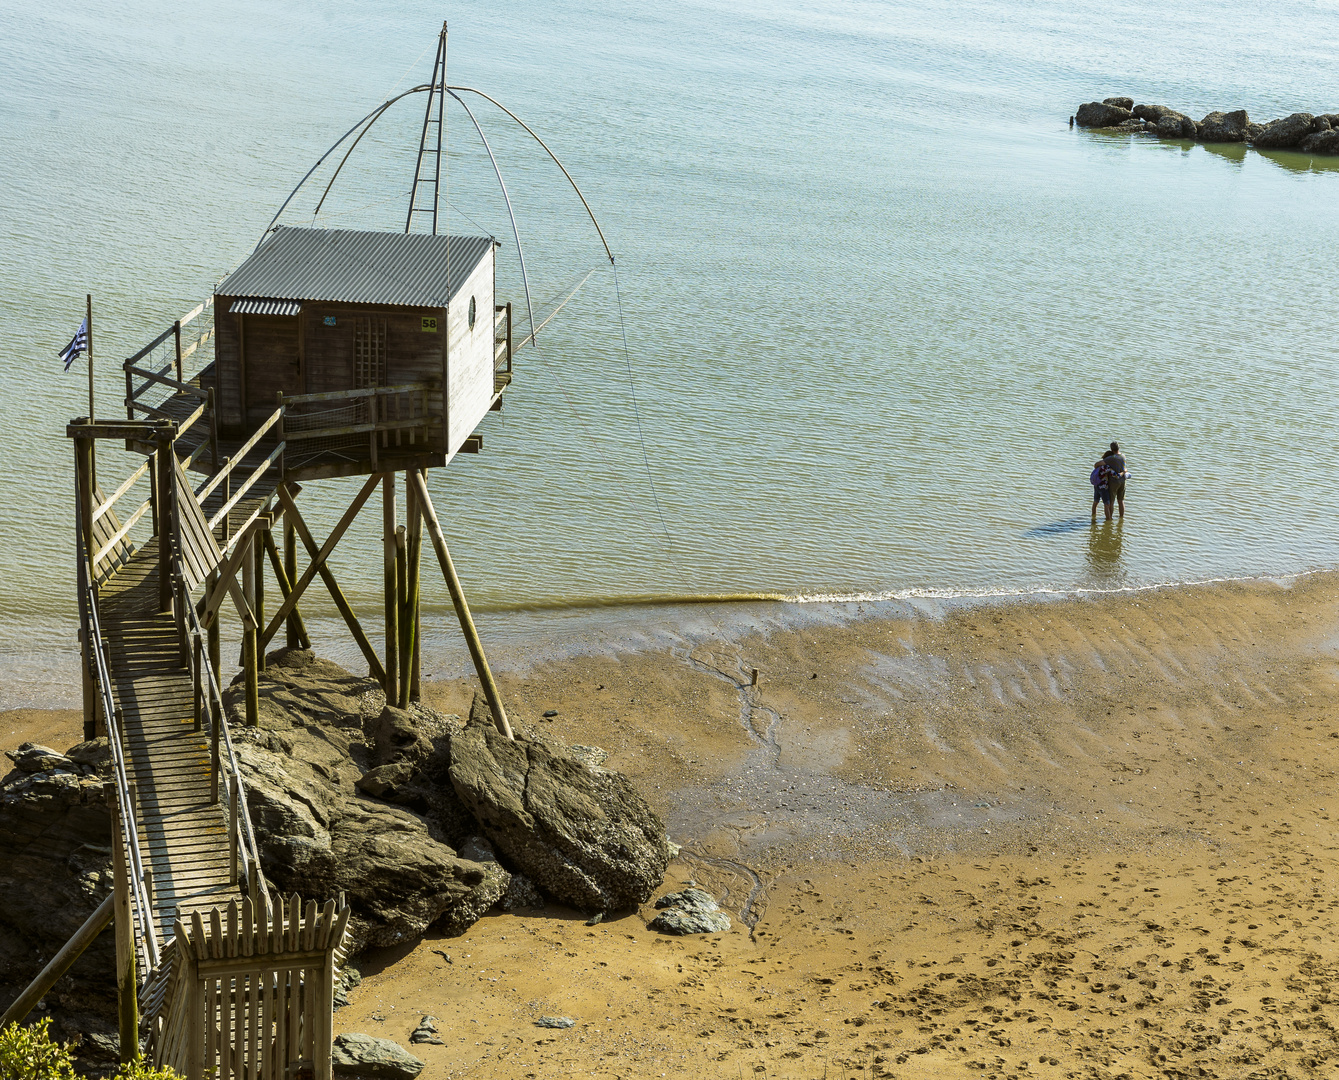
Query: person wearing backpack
[(1101, 491), (1117, 474)]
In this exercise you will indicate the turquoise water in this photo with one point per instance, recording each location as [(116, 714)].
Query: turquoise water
[(883, 307)]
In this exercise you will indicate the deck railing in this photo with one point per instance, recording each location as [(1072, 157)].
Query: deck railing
[(387, 417), (250, 993), (502, 346), (141, 905), (162, 363)]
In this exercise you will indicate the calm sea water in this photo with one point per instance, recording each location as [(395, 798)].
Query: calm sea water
[(883, 308)]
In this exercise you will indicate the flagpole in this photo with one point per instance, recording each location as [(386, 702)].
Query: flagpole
[(89, 298)]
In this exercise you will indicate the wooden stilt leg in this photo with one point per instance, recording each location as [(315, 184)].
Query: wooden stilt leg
[(402, 616), (389, 574), (250, 663), (300, 640), (258, 606), (415, 625), (297, 633), (462, 608)]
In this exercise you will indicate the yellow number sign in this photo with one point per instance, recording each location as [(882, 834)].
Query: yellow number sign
[(430, 324)]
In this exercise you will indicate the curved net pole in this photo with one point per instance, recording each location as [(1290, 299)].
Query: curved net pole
[(370, 116), (551, 154), (375, 115), (514, 231)]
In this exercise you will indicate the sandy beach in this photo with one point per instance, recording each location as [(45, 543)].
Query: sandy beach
[(1084, 838)]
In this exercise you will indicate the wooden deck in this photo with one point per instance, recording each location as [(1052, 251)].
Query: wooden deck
[(183, 833)]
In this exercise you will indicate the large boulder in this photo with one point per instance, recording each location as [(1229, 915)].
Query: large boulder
[(1168, 123), (1286, 133), (1100, 114), (583, 835), (314, 790), (55, 869), (1322, 142), (366, 1057), (1120, 102), (1221, 127)]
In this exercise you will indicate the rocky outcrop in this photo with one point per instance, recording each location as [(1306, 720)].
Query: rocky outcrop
[(1221, 127), (365, 1057), (691, 911), (1101, 114), (1301, 131), (1285, 133), (583, 835), (325, 770), (1322, 142), (55, 869)]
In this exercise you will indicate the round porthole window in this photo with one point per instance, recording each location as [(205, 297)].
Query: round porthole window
[(472, 312)]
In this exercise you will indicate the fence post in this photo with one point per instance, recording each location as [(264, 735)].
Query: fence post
[(232, 829), (508, 337), (213, 433), (130, 390), (198, 681), (126, 984), (164, 479), (216, 722), (176, 331)]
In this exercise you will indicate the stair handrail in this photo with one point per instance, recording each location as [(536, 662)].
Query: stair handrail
[(242, 837), (139, 893), (235, 788)]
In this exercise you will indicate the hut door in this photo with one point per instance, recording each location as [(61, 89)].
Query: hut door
[(369, 353)]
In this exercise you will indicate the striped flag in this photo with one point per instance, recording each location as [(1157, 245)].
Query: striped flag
[(77, 345)]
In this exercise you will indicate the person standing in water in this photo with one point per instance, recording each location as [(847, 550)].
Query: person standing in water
[(1117, 474), (1099, 479)]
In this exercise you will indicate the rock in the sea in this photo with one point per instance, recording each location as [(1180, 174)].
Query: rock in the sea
[(1221, 127), (1322, 142), (365, 1057), (1321, 123), (1286, 133), (584, 836), (320, 835), (1168, 123), (1253, 131), (1100, 114), (1120, 102), (691, 911)]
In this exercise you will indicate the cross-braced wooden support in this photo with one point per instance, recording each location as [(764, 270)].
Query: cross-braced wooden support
[(476, 647)]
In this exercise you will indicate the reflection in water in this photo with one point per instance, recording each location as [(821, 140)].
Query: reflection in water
[(1104, 548), (1234, 152), (1056, 528), (1296, 161)]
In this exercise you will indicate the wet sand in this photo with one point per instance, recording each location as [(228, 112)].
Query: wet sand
[(1080, 838)]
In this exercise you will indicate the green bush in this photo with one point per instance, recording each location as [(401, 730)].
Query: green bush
[(138, 1070), (28, 1053)]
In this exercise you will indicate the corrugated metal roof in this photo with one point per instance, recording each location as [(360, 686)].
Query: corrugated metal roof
[(259, 305), (357, 267)]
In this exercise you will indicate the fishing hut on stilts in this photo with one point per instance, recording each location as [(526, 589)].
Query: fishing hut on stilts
[(324, 354)]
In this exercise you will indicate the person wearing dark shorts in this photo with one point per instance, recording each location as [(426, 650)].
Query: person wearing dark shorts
[(1098, 478), (1117, 474)]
